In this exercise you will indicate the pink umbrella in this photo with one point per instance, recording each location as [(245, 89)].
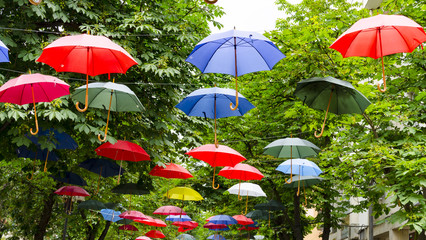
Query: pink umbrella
[(171, 170), (169, 210), (243, 220), (32, 88), (133, 215), (86, 54), (143, 238), (128, 228)]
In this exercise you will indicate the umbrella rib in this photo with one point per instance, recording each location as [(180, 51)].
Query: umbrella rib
[(211, 56), (401, 35), (350, 44), (258, 52)]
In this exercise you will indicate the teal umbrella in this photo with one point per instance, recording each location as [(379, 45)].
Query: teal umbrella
[(119, 97), (332, 95), (305, 181), (258, 214), (271, 205)]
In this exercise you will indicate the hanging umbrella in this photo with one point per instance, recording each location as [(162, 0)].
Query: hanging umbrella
[(178, 218), (305, 181), (216, 237), (242, 172), (155, 234), (235, 53), (183, 193), (103, 167), (122, 150), (32, 88), (332, 95), (220, 156), (4, 53), (70, 178), (86, 54), (128, 228), (185, 226), (119, 97), (39, 153), (131, 189), (291, 148), (52, 138), (124, 221), (171, 170), (379, 36), (269, 206), (111, 215), (169, 210), (91, 205), (152, 222), (222, 219), (213, 226), (143, 238), (133, 215), (185, 237), (243, 220), (213, 103), (258, 214), (248, 189)]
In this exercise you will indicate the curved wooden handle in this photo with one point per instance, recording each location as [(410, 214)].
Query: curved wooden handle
[(384, 79), (214, 173), (325, 118), (210, 1), (35, 114), (236, 103), (45, 162), (86, 105)]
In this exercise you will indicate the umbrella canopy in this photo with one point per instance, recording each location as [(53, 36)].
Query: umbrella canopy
[(185, 237), (133, 215), (52, 137), (169, 210), (128, 228), (155, 234), (91, 205), (70, 178), (222, 219), (241, 171), (39, 153), (216, 237), (171, 170), (111, 215), (130, 188), (271, 205), (258, 214), (379, 36), (186, 224), (248, 189), (103, 167), (183, 193), (124, 221), (304, 181), (291, 148), (33, 88), (72, 191), (243, 220), (143, 238), (303, 167), (4, 52), (213, 226), (153, 222), (178, 218)]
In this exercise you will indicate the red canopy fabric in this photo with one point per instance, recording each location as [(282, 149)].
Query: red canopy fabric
[(123, 150), (155, 234), (210, 225), (187, 224), (169, 210), (133, 215), (248, 228), (217, 157), (171, 170), (128, 228), (241, 171), (243, 220), (153, 222), (72, 191)]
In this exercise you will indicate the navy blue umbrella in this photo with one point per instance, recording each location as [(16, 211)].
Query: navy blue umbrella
[(103, 167), (70, 178), (41, 154), (236, 53)]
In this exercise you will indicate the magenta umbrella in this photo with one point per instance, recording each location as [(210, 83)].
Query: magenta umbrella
[(32, 88), (169, 210)]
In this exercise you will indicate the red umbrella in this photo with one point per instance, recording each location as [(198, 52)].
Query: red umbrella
[(155, 234), (72, 191), (128, 228), (379, 36), (248, 228), (210, 225), (241, 171), (220, 156), (187, 224), (171, 171), (32, 88), (86, 54), (208, 219), (122, 150), (169, 210), (243, 220), (153, 222), (133, 215)]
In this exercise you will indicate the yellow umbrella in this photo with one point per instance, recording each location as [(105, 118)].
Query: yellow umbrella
[(183, 193)]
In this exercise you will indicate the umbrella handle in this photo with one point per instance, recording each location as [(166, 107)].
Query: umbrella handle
[(239, 196), (35, 114), (45, 162), (214, 173), (325, 118), (236, 96), (384, 79), (106, 127), (291, 169), (86, 99), (210, 1)]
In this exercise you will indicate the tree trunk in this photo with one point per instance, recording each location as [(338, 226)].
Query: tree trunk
[(327, 222), (91, 230), (45, 216), (105, 231), (297, 224)]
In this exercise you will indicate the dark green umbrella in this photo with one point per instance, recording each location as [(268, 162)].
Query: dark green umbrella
[(272, 205), (119, 97), (305, 181), (124, 221), (131, 189), (91, 205), (258, 214), (291, 148), (332, 95)]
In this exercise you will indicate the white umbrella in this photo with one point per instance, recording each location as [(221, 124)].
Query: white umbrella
[(248, 189)]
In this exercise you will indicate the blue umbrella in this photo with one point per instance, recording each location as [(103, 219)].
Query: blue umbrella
[(223, 219), (70, 178), (216, 237), (236, 53), (178, 218), (40, 154), (185, 237), (4, 52), (254, 224), (103, 167), (111, 215)]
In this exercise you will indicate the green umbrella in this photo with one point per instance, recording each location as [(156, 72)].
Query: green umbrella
[(124, 221), (119, 97), (272, 205), (291, 148), (91, 205), (131, 189), (305, 181), (332, 95), (258, 214)]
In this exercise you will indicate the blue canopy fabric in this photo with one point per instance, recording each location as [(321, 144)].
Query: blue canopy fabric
[(216, 53), (223, 219), (60, 140), (40, 154), (70, 178), (201, 103), (104, 167), (302, 167), (178, 218), (216, 237), (185, 237), (4, 53), (111, 215)]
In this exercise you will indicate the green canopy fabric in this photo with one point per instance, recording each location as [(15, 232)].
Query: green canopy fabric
[(91, 205), (305, 181), (271, 205), (258, 214), (130, 188), (291, 148)]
